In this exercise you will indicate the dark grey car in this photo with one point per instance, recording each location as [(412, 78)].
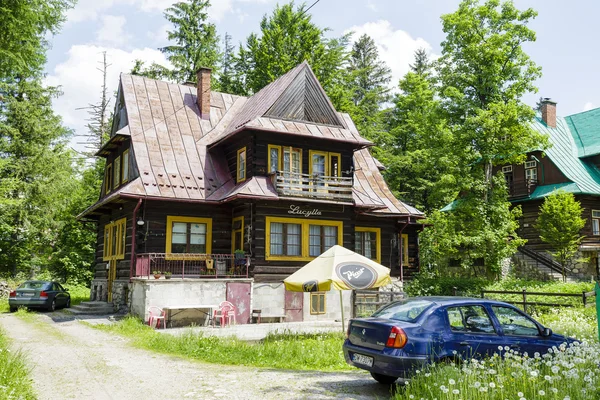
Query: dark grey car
[(39, 294)]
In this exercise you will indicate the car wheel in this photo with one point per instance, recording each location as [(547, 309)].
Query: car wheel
[(385, 379), (68, 305), (13, 309), (52, 306)]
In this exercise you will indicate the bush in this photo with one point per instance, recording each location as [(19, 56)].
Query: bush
[(422, 286)]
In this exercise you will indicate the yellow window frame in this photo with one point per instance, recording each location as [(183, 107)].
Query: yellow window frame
[(235, 231), (377, 239), (241, 176), (328, 157), (125, 162), (114, 240), (404, 241), (117, 172), (108, 179), (279, 158), (321, 301), (173, 218), (304, 245)]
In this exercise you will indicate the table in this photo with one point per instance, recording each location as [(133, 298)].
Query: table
[(171, 311)]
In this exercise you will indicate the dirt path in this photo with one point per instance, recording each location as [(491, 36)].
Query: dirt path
[(75, 361)]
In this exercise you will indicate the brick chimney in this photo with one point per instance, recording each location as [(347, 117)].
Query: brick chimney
[(203, 87), (549, 112)]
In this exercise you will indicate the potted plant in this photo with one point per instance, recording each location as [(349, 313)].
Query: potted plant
[(168, 275), (157, 274)]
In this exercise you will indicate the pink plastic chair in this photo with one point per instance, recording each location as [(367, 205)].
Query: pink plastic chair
[(225, 314), (155, 316)]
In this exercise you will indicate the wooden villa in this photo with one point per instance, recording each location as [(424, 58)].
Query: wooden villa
[(228, 195)]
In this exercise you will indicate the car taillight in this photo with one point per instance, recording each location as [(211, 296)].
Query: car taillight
[(43, 294), (13, 293), (397, 338)]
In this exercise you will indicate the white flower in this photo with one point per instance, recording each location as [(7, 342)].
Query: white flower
[(554, 390), (541, 393), (483, 389), (520, 394), (477, 384), (451, 381), (455, 391), (534, 374), (492, 385)]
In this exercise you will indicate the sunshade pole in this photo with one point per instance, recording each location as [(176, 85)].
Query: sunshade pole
[(342, 307)]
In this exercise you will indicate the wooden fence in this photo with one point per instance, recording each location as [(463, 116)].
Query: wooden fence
[(583, 296), (366, 302)]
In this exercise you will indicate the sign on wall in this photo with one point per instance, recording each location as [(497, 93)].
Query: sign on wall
[(296, 210)]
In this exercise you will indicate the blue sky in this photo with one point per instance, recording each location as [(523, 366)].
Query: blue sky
[(566, 45)]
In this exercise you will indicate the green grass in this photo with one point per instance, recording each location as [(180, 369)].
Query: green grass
[(322, 351), (15, 382)]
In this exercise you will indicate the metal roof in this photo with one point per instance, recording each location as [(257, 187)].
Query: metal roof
[(585, 128)]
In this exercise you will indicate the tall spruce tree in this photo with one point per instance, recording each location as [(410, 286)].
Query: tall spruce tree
[(483, 73), (227, 76)]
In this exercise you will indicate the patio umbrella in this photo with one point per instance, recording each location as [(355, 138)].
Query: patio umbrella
[(341, 269)]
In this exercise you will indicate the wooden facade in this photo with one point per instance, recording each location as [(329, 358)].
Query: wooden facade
[(212, 186)]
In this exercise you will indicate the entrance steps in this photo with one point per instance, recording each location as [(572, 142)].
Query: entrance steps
[(93, 308)]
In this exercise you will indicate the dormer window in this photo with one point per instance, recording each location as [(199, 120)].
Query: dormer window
[(125, 167), (241, 165), (108, 179), (117, 170), (531, 171), (286, 159)]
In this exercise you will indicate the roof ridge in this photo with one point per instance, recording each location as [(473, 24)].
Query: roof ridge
[(583, 112)]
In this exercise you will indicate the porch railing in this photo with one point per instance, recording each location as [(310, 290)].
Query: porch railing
[(313, 186), (187, 265), (521, 188)]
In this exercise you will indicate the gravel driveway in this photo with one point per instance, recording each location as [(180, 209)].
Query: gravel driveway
[(75, 361)]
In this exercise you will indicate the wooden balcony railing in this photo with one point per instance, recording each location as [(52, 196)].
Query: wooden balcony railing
[(314, 186), (521, 188), (188, 265)]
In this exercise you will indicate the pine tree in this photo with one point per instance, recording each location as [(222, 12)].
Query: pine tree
[(227, 75), (422, 64)]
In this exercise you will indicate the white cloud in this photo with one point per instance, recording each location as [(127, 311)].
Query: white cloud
[(588, 106), (90, 9), (396, 47), (159, 36), (112, 30), (371, 5), (219, 8), (81, 81)]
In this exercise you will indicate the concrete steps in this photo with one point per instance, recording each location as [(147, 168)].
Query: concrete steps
[(93, 308)]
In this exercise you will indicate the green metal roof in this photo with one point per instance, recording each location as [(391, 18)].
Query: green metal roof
[(585, 128), (546, 190), (564, 153)]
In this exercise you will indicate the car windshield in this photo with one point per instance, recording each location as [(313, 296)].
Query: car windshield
[(33, 285), (405, 310)]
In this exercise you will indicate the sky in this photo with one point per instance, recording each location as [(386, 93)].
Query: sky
[(566, 47)]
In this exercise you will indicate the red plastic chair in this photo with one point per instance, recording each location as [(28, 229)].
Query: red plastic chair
[(155, 316), (225, 314)]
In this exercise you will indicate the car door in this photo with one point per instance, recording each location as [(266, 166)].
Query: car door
[(59, 295), (471, 332), (522, 333)]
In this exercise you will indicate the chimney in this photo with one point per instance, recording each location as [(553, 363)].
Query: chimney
[(203, 88), (549, 112)]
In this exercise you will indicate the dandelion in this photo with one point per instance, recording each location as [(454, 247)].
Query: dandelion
[(492, 385), (483, 389), (455, 391), (451, 381), (534, 374), (520, 394), (554, 390), (477, 384), (541, 392)]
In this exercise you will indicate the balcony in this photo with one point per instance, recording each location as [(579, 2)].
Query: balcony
[(188, 265), (521, 188), (313, 186)]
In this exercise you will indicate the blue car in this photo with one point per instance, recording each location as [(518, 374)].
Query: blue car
[(406, 335), (39, 294)]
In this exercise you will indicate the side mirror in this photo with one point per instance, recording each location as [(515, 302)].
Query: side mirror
[(66, 289), (547, 332)]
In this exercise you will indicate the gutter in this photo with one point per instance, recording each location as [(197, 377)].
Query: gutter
[(133, 228)]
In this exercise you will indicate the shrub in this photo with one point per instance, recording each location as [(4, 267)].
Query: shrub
[(422, 286)]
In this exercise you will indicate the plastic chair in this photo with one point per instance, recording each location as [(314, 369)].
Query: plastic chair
[(156, 315), (225, 314), (230, 313)]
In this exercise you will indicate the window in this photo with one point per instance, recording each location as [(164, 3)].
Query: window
[(117, 175), (317, 303), (404, 250), (530, 164), (595, 222), (237, 234), (471, 319), (114, 240), (241, 164), (189, 235), (108, 179), (286, 159), (507, 169), (367, 242), (324, 164), (125, 168), (300, 239), (531, 171), (515, 323)]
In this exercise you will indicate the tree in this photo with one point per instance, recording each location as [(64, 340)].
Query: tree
[(368, 80), (25, 26), (227, 75), (559, 223), (289, 37), (422, 65), (483, 73)]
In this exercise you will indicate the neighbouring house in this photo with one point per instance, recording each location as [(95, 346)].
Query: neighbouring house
[(227, 195), (571, 164)]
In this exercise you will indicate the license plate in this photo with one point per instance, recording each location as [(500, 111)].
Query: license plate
[(26, 294), (361, 359)]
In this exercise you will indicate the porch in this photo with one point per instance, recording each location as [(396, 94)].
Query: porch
[(190, 265), (313, 186)]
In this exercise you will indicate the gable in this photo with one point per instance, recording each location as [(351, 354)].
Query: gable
[(304, 100)]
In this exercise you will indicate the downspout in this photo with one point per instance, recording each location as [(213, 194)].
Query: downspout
[(133, 228), (402, 252)]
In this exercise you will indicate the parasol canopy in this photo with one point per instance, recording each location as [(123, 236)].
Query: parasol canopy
[(338, 268)]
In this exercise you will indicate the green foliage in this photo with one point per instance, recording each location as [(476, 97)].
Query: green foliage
[(560, 223), (25, 26), (423, 286), (319, 351), (15, 382)]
